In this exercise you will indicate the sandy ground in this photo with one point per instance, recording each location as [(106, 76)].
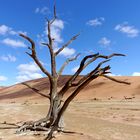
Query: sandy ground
[(109, 117), (98, 120)]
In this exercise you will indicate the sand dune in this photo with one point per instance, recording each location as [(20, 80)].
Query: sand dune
[(100, 88)]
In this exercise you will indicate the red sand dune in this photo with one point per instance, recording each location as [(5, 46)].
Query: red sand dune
[(100, 88)]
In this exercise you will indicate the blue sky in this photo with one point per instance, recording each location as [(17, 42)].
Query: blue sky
[(106, 26)]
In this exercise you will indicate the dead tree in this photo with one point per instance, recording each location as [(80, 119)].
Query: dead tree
[(53, 121)]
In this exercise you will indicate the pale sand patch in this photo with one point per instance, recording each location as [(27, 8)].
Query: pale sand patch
[(99, 120)]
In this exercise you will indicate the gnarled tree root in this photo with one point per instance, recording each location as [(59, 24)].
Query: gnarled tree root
[(40, 125), (30, 126), (36, 126)]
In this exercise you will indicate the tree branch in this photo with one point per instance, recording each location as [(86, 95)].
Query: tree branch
[(54, 13), (34, 56), (46, 44), (66, 63), (92, 58), (96, 70), (116, 80), (67, 44), (84, 63), (36, 90), (101, 56)]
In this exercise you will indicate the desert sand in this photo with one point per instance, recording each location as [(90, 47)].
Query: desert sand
[(100, 111)]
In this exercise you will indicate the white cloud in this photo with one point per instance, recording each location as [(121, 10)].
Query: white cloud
[(58, 24), (104, 41), (37, 10), (75, 69), (3, 78), (96, 22), (13, 43), (136, 74), (22, 78), (56, 29), (5, 30), (130, 31), (111, 74), (68, 52), (43, 10), (27, 72), (8, 57)]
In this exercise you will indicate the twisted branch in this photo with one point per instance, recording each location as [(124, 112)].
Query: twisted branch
[(36, 90), (67, 44), (34, 56), (84, 63), (116, 80), (66, 63)]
